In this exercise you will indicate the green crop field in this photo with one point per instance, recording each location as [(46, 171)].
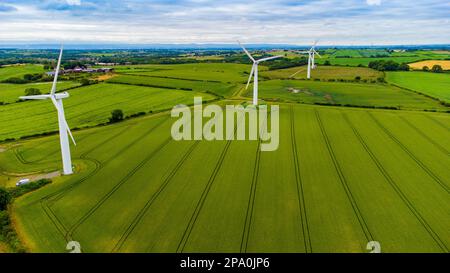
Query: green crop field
[(324, 73), (340, 178), (216, 72), (357, 57), (88, 106), (17, 71), (433, 84), (357, 94), (221, 89), (11, 92)]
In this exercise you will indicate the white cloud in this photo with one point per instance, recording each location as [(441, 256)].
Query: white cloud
[(334, 22), (373, 2), (73, 2)]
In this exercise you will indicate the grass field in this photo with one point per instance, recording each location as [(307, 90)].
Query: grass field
[(433, 84), (365, 61), (358, 94), (17, 71), (88, 106), (340, 178), (216, 72), (220, 89), (324, 73), (11, 92), (419, 65)]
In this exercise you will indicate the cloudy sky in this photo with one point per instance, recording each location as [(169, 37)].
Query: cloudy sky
[(332, 22)]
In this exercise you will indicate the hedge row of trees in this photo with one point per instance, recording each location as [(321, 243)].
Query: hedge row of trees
[(7, 232), (382, 65), (435, 69)]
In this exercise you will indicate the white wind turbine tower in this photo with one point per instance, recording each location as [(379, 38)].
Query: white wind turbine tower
[(311, 55), (63, 126), (255, 72)]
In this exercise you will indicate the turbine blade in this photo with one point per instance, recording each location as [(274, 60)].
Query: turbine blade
[(68, 130), (54, 102), (315, 52), (269, 58), (55, 79), (246, 52), (35, 97), (250, 77)]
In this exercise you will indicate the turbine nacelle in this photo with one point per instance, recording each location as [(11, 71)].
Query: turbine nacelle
[(254, 72)]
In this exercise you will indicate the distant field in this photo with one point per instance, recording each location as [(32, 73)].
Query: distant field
[(287, 54), (340, 178), (217, 72), (89, 106), (365, 61), (434, 84), (11, 92), (419, 65), (19, 70), (324, 73), (221, 89), (344, 93)]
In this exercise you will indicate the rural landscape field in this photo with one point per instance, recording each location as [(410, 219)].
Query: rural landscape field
[(362, 155), (358, 160)]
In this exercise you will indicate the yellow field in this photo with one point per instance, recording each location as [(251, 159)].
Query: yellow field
[(419, 65)]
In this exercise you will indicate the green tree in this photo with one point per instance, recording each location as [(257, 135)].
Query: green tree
[(85, 81), (32, 91), (116, 116), (437, 69), (327, 62), (5, 198)]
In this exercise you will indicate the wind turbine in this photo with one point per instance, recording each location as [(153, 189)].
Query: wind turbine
[(63, 126), (311, 56), (255, 72)]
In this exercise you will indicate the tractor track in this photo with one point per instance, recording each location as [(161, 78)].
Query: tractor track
[(251, 201), (437, 122), (116, 187), (57, 195), (396, 188), (201, 201), (343, 180), (299, 184), (410, 154), (154, 196), (102, 164), (437, 145)]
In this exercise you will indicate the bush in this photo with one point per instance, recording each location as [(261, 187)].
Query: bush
[(32, 91), (357, 78), (26, 188), (327, 63), (425, 68), (436, 69), (5, 198), (116, 116)]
